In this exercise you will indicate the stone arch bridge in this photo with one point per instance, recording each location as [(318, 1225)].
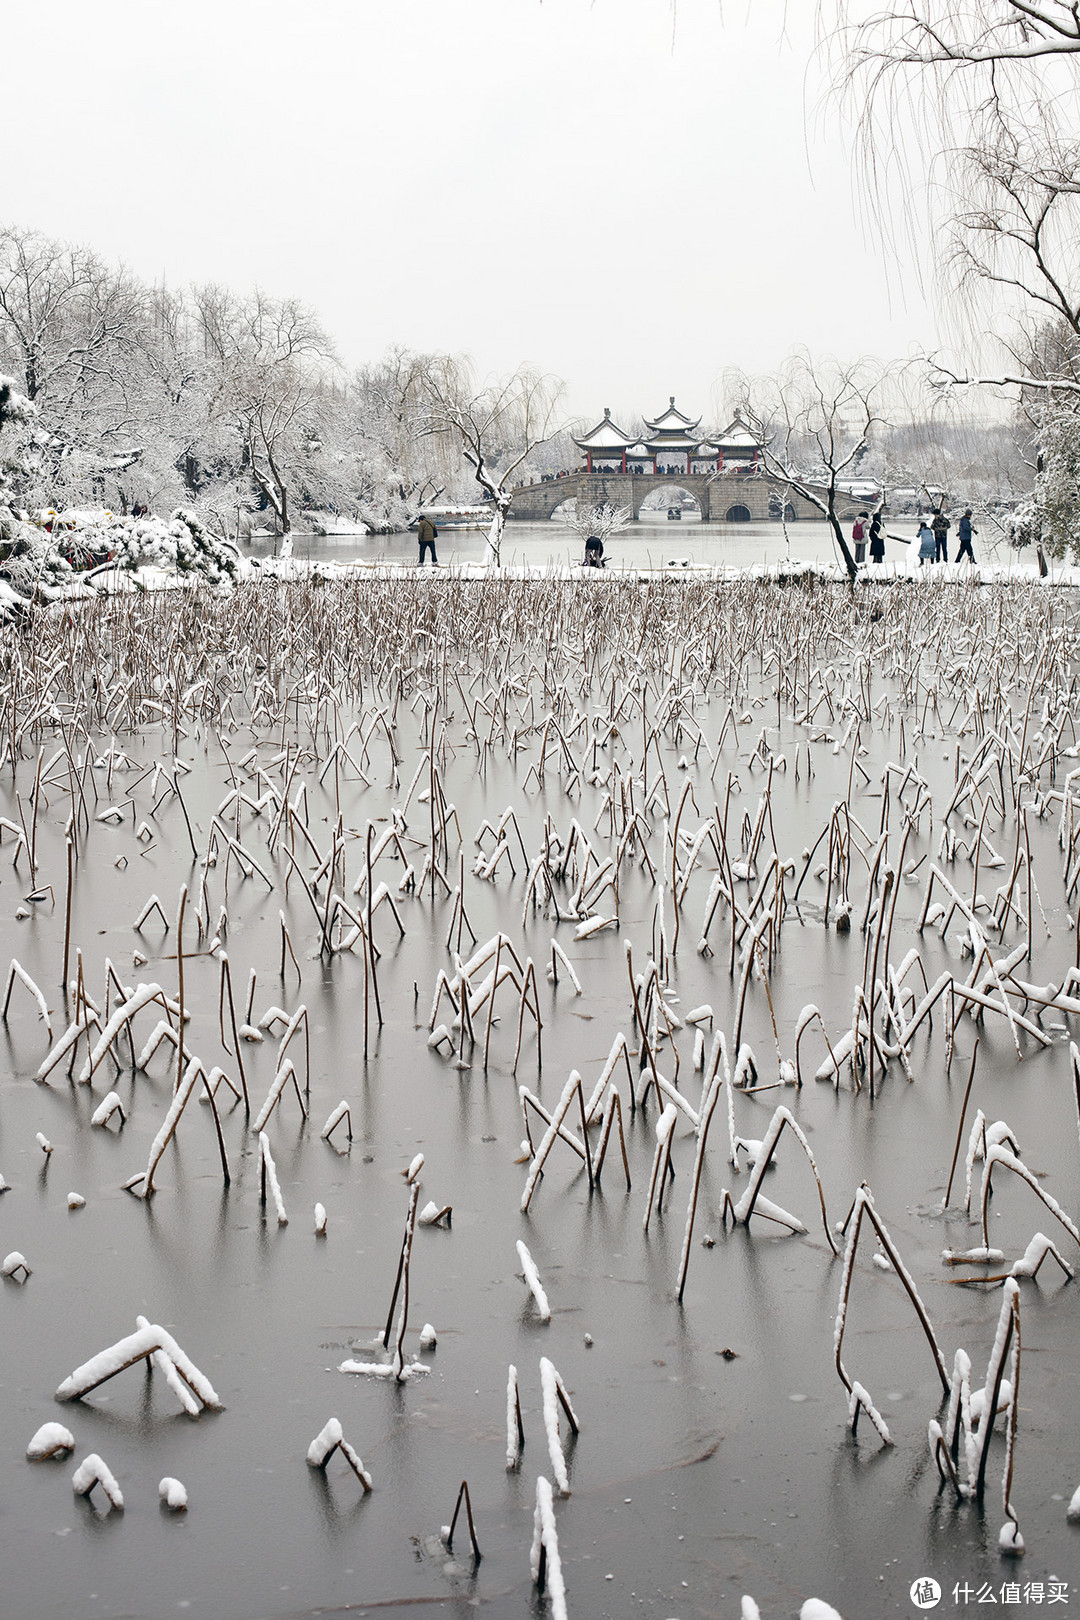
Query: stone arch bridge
[(721, 498)]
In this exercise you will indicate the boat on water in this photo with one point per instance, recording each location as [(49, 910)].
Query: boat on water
[(455, 517)]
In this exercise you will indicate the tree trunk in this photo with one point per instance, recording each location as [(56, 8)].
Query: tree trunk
[(498, 524), (849, 561)]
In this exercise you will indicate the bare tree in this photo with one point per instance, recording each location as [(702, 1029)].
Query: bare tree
[(69, 330), (381, 423), (494, 425), (269, 360), (602, 521), (824, 412)]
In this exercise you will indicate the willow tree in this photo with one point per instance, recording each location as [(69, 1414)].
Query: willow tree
[(973, 105), (976, 103)]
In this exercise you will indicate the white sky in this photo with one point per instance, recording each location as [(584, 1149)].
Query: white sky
[(622, 195)]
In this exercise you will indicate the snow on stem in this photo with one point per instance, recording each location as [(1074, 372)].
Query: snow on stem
[(515, 1428), (92, 1471), (268, 1178), (137, 1346), (330, 1439), (544, 1560), (554, 1395), (18, 974), (532, 1278)]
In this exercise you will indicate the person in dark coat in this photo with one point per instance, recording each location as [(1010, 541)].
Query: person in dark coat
[(427, 534), (941, 526), (877, 539), (964, 531), (594, 552)]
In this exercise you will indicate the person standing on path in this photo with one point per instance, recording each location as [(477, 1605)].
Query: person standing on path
[(941, 526), (925, 537), (964, 531), (877, 539), (858, 535), (427, 534)]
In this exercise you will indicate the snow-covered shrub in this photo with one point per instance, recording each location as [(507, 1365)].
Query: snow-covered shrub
[(183, 543), (33, 566)]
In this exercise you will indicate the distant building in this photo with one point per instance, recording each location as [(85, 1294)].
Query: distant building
[(605, 446), (673, 446)]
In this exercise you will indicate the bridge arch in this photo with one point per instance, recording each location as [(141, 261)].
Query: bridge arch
[(669, 494), (738, 514), (563, 509), (781, 511)]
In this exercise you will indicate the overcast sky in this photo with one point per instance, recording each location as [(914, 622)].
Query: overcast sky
[(619, 192)]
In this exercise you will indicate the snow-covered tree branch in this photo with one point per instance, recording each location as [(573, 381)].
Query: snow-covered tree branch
[(495, 425)]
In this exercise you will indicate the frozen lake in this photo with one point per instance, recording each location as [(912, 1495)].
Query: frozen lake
[(715, 1456), (642, 545)]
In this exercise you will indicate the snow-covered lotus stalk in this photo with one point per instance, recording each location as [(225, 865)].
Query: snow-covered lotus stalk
[(173, 1494), (858, 1399), (329, 1440), (554, 1396), (152, 1343), (970, 1419), (555, 1129), (17, 974), (268, 1179), (92, 1471), (448, 1529), (515, 1428), (544, 1558), (714, 1081), (398, 1368), (184, 543), (532, 1278), (51, 1440), (752, 1198), (1009, 1161)]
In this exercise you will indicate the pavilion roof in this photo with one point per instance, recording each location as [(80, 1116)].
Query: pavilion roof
[(672, 421), (672, 440), (606, 435), (739, 435)]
